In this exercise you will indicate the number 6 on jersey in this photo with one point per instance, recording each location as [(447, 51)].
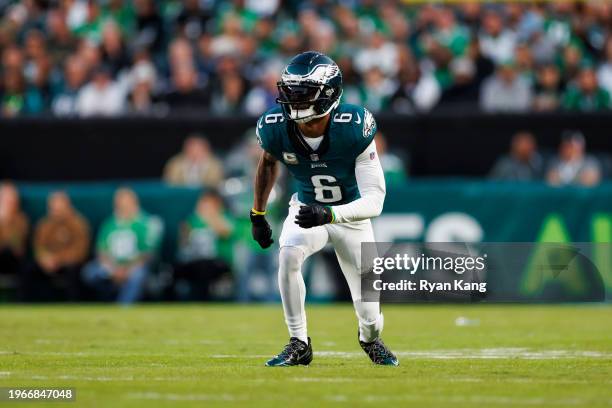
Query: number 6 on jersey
[(325, 192)]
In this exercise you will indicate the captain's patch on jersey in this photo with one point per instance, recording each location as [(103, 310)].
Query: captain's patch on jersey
[(368, 123), (290, 158)]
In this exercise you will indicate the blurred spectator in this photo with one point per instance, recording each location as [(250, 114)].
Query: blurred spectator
[(38, 65), (497, 41), (467, 73), (523, 163), (393, 166), (149, 26), (380, 54), (13, 231), (548, 89), (195, 166), (121, 12), (16, 98), (142, 78), (90, 53), (586, 95), (75, 75), (524, 62), (573, 166), (180, 54), (102, 96), (416, 92), (570, 62), (505, 91), (193, 18), (448, 33), (374, 92), (13, 59), (60, 40), (185, 94), (604, 73), (124, 249), (229, 97), (263, 95), (228, 41), (88, 22), (114, 54), (205, 248), (61, 245)]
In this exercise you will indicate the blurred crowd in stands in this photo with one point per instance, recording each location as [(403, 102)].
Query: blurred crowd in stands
[(66, 262), (116, 57), (570, 166)]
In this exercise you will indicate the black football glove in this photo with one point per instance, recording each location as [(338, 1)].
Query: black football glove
[(314, 215), (262, 233)]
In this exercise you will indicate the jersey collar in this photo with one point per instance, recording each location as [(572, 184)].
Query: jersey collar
[(303, 148)]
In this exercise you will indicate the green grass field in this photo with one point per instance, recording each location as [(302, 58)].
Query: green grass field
[(212, 355)]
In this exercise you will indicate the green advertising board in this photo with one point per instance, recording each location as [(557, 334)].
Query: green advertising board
[(464, 211)]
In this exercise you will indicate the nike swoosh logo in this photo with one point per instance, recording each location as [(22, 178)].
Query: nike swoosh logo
[(358, 121)]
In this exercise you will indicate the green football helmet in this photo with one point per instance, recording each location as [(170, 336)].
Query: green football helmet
[(310, 87)]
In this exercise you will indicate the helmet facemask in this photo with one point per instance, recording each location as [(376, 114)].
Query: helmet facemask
[(305, 101)]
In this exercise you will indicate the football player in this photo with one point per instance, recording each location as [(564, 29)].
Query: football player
[(329, 149)]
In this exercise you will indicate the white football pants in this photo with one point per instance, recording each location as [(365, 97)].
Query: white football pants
[(297, 244)]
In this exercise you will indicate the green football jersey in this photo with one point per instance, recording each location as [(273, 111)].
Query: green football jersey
[(124, 241), (325, 175), (204, 243)]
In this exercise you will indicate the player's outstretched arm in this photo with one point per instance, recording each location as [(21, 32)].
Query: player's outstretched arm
[(265, 176)]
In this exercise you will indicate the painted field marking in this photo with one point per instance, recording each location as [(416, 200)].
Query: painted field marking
[(443, 354)]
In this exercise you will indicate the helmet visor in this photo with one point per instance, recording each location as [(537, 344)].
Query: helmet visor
[(298, 96)]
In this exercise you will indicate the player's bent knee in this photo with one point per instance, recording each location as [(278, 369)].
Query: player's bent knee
[(290, 259)]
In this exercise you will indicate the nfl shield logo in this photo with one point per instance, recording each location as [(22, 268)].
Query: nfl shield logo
[(372, 155)]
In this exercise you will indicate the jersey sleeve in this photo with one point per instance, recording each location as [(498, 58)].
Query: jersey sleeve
[(371, 184), (265, 133), (365, 131)]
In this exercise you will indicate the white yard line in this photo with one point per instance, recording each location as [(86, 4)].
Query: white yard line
[(443, 354), (488, 353), (296, 379)]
